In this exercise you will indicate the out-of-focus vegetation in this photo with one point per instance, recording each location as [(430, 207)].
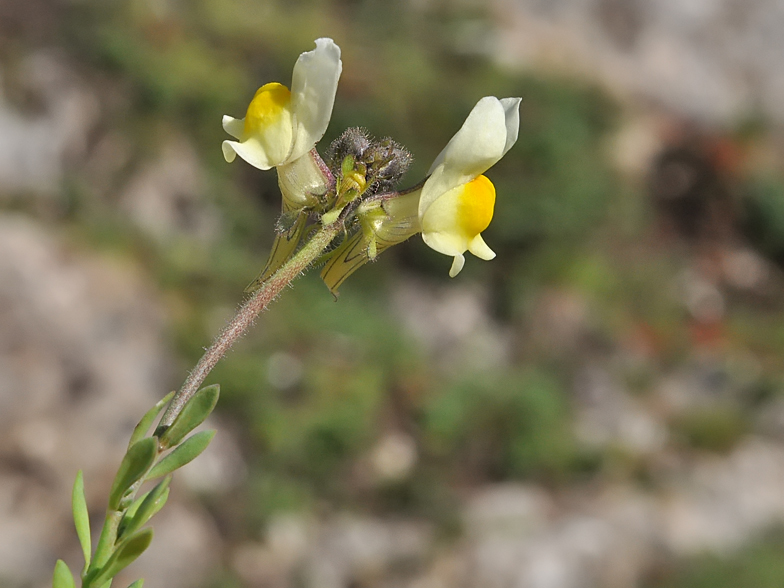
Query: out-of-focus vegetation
[(759, 564), (565, 222)]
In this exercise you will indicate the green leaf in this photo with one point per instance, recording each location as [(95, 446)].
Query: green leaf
[(152, 503), (137, 584), (183, 454), (138, 459), (81, 517), (130, 512), (192, 415), (144, 425), (159, 504), (125, 554), (62, 578)]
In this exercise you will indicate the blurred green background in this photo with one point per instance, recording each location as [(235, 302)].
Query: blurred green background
[(629, 333)]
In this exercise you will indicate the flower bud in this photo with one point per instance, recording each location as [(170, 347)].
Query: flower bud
[(352, 142), (387, 162), (380, 163)]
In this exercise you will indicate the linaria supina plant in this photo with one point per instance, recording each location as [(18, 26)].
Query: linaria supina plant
[(343, 209)]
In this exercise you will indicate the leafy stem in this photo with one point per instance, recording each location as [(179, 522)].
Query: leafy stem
[(124, 536)]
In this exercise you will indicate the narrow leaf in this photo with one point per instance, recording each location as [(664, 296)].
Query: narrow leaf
[(125, 554), (160, 503), (128, 515), (193, 414), (62, 577), (131, 510), (188, 451), (137, 461), (137, 584), (144, 425), (152, 503), (81, 517)]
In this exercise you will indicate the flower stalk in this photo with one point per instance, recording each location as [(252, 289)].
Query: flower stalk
[(246, 315)]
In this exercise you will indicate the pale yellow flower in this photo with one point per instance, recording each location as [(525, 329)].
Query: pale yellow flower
[(280, 130), (281, 126), (457, 201)]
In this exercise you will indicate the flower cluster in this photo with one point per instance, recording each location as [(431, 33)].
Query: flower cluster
[(355, 184)]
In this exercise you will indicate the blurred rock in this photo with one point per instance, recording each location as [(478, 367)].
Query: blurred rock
[(636, 143), (711, 60), (82, 356), (453, 324), (559, 321), (284, 370), (705, 383), (535, 546), (336, 552), (353, 551), (745, 269), (722, 503), (394, 457), (185, 550), (256, 565), (220, 467), (166, 197), (273, 563), (607, 415), (34, 147), (701, 297), (507, 509), (519, 536), (770, 421)]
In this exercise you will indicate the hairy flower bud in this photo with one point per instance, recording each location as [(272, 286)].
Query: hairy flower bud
[(387, 161), (381, 163), (353, 141)]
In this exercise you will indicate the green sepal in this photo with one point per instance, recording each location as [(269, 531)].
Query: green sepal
[(81, 517), (384, 222), (185, 453), (62, 577), (137, 584), (347, 165), (330, 217), (283, 247), (125, 554), (195, 411), (330, 253), (145, 509), (144, 424), (287, 221), (138, 459), (344, 261)]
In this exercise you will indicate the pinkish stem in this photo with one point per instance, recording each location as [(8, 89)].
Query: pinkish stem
[(245, 316)]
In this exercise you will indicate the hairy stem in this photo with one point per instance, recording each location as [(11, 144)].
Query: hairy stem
[(245, 316)]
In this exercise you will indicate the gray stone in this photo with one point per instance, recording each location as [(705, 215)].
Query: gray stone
[(711, 60), (82, 357)]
